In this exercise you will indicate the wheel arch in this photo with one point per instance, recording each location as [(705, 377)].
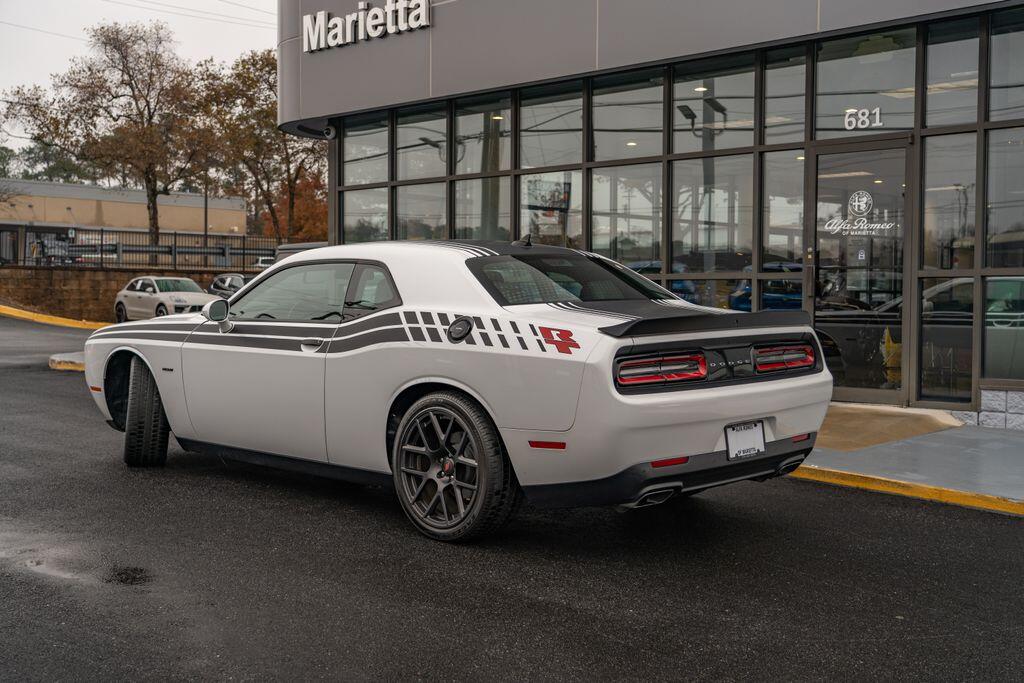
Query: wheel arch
[(116, 372), (417, 389)]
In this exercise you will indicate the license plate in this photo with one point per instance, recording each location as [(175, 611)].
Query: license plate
[(745, 440)]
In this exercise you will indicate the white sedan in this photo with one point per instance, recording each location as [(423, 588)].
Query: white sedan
[(467, 375), (155, 297)]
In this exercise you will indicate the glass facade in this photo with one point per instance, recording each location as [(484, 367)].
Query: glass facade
[(892, 161)]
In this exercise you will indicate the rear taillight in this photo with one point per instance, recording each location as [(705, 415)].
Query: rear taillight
[(788, 357), (662, 369)]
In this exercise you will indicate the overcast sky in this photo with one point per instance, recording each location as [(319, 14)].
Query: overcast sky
[(222, 29)]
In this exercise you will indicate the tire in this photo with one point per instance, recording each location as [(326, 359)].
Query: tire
[(161, 310), (120, 314), (146, 428), (452, 476)]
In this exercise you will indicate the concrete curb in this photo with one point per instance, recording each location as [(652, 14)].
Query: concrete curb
[(20, 314), (74, 362), (908, 489)]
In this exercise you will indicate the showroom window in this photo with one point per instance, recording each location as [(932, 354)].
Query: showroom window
[(947, 320), (421, 142), (1005, 216), (366, 215), (785, 79), (782, 211), (551, 125), (948, 213), (713, 104), (552, 208), (1006, 96), (420, 212), (627, 115), (365, 149), (483, 134), (626, 223), (1004, 331), (866, 84), (483, 209), (952, 95)]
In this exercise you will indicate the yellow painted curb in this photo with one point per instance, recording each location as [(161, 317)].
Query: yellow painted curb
[(11, 312), (911, 490), (67, 365)]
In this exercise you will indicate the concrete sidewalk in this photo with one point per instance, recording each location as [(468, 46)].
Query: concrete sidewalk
[(971, 466)]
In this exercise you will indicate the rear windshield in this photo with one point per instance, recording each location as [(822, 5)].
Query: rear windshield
[(177, 285), (544, 279)]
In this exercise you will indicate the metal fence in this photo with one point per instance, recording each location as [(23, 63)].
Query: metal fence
[(103, 248)]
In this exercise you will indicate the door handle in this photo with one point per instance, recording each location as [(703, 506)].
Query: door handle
[(312, 344)]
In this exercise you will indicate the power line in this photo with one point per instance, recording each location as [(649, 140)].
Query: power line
[(254, 9), (203, 11), (190, 16), (39, 30)]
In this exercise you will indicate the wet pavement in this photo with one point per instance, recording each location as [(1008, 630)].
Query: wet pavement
[(209, 569)]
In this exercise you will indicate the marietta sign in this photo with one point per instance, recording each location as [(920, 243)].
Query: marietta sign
[(858, 206), (321, 30)]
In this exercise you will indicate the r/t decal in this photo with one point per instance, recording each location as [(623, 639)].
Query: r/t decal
[(560, 339)]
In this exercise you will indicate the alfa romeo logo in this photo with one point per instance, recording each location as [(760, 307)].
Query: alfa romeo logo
[(860, 203)]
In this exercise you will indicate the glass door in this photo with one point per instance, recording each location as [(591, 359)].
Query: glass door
[(860, 230)]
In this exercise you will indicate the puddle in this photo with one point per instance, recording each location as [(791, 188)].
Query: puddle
[(127, 576)]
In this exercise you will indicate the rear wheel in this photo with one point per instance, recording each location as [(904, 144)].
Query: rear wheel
[(120, 314), (161, 311), (452, 476), (146, 428)]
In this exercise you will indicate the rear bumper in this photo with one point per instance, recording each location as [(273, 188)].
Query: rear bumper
[(700, 472)]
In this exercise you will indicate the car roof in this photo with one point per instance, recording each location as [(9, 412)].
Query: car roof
[(464, 248)]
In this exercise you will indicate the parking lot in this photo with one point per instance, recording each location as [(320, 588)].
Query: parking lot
[(212, 569)]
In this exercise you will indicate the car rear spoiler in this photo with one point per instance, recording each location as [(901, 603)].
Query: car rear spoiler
[(704, 322)]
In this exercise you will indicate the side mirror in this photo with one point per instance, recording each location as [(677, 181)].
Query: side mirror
[(216, 311)]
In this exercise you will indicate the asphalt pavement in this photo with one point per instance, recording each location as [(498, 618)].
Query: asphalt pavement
[(209, 569)]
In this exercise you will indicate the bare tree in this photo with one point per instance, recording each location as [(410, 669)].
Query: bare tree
[(130, 107)]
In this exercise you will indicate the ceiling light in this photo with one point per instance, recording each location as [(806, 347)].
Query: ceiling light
[(497, 117), (700, 88), (800, 158), (878, 181), (631, 143)]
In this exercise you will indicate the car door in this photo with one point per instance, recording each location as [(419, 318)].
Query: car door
[(271, 363), (127, 297), (145, 299), (355, 428)]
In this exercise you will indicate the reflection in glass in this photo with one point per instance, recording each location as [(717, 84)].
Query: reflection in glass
[(421, 142), (783, 211), (552, 208), (1004, 328), (729, 294), (1005, 215), (365, 215), (483, 134), (1006, 99), (952, 73), (859, 281), (420, 212), (948, 201), (866, 84), (483, 209), (626, 223), (947, 315), (781, 295), (365, 149), (627, 115), (784, 82), (551, 125), (713, 104), (712, 213)]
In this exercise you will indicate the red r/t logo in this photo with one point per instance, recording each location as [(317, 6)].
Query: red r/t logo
[(560, 339)]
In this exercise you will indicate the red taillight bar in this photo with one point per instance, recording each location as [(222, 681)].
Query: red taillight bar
[(783, 357), (676, 368)]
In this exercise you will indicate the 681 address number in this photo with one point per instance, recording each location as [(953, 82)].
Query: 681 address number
[(862, 118)]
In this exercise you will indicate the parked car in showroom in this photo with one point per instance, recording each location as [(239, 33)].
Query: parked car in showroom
[(467, 375), (226, 284), (156, 297)]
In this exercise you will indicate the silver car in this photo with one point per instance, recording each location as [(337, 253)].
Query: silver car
[(153, 297)]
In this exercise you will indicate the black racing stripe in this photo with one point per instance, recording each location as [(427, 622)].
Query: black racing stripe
[(417, 334), (522, 342), (534, 330), (275, 329), (385, 320), (504, 342), (128, 327), (486, 338), (428, 318), (155, 336), (434, 335), (265, 343), (515, 328), (470, 341), (410, 318), (443, 317), (497, 326), (541, 345), (390, 334), (479, 323)]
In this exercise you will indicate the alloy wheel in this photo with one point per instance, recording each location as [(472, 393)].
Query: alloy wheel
[(439, 468)]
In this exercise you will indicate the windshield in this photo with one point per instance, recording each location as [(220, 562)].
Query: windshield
[(177, 285), (544, 278)]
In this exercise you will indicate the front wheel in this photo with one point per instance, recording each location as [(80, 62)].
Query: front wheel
[(161, 310), (146, 429), (120, 314), (452, 476)]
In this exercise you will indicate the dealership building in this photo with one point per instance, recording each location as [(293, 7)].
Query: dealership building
[(863, 161)]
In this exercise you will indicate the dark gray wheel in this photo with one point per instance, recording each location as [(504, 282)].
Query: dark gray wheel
[(161, 310), (120, 314), (146, 429), (451, 473)]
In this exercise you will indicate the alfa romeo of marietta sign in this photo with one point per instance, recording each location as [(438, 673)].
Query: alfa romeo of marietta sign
[(321, 30)]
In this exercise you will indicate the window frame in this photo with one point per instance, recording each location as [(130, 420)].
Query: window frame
[(292, 266)]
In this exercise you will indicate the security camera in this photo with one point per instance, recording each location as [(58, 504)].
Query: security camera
[(330, 133)]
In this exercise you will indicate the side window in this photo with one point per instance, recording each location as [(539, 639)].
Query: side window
[(147, 286), (372, 291), (133, 285), (311, 293)]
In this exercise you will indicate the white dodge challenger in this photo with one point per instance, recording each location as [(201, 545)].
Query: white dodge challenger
[(469, 375)]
